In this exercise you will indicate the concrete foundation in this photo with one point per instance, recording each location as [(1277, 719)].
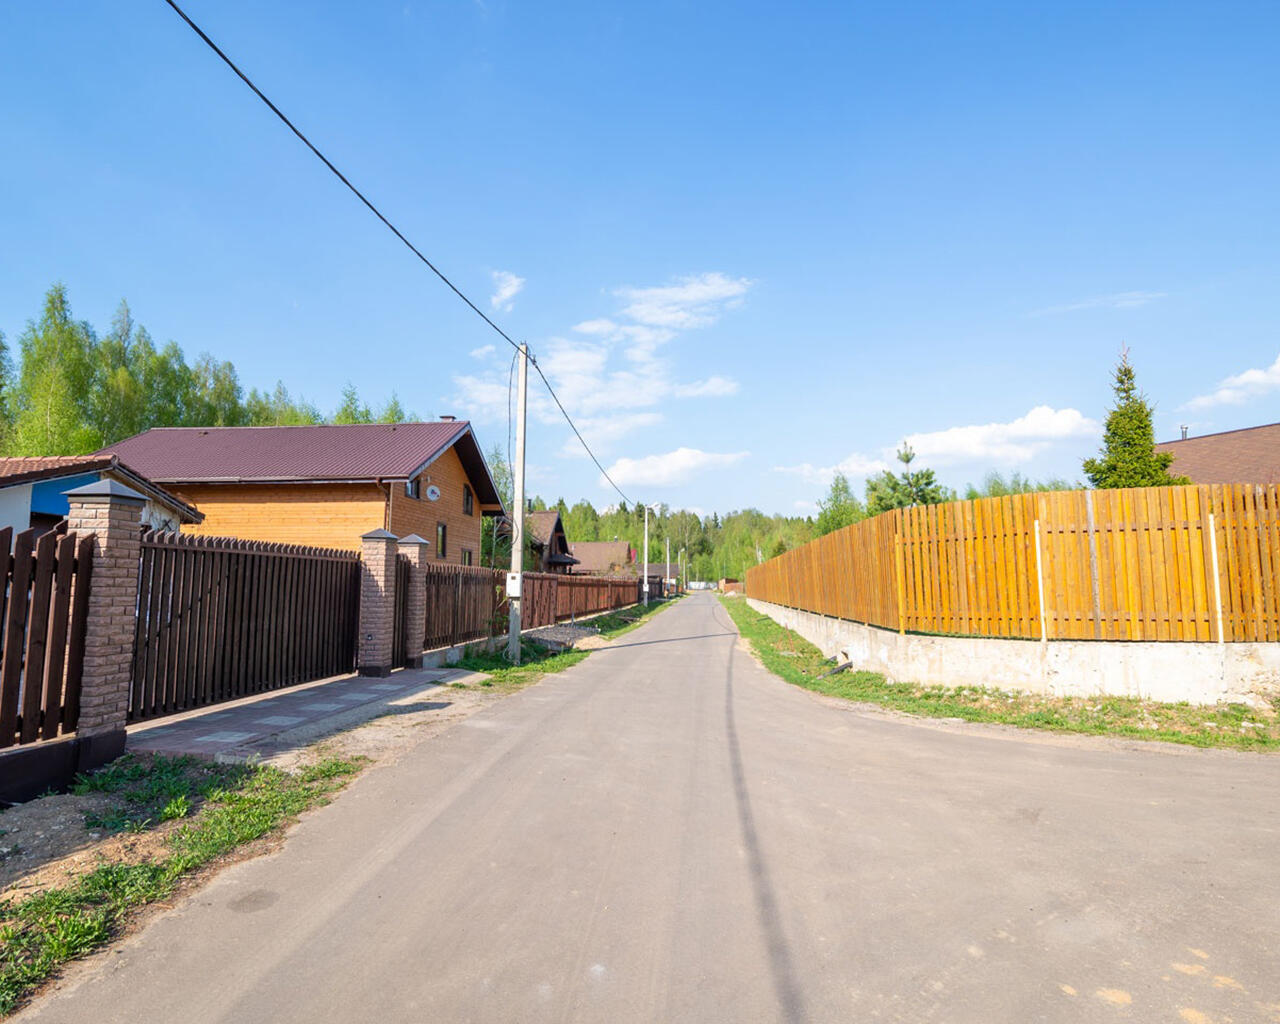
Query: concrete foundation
[(1198, 673)]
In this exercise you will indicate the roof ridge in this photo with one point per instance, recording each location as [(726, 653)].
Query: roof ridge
[(1221, 433)]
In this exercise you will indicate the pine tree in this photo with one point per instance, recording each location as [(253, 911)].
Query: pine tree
[(1128, 456), (921, 487)]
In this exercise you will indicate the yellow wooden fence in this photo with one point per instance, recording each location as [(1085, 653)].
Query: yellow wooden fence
[(1148, 563)]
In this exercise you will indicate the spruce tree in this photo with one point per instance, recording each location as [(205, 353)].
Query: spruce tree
[(1128, 456)]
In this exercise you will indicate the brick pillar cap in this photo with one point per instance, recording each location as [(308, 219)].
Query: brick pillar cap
[(413, 538), (378, 534), (105, 489)]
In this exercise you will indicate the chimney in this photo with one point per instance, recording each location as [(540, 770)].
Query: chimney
[(1184, 432), (450, 419)]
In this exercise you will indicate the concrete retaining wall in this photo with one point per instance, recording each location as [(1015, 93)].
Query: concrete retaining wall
[(1199, 673)]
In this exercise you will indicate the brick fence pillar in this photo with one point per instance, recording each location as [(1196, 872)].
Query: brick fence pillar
[(111, 512), (377, 602), (414, 548)]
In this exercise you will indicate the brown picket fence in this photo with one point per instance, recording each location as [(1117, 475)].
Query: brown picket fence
[(43, 609), (219, 619), (464, 603), (1154, 563), (587, 595)]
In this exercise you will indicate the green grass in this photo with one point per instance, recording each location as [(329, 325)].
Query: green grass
[(42, 932), (790, 656), (624, 620), (535, 662)]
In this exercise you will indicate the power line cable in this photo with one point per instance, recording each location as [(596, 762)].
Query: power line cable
[(572, 426), (395, 231), (337, 173)]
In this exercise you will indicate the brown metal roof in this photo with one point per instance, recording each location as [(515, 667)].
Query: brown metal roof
[(362, 451), (29, 469), (1248, 456), (541, 525), (597, 556)]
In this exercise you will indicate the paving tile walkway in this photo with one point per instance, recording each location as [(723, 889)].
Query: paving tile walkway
[(239, 728)]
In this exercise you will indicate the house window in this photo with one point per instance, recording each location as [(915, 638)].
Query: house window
[(468, 502), (413, 488), (466, 556), (442, 532)]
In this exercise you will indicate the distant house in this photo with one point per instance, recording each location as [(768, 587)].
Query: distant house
[(547, 539), (602, 557), (327, 485), (1248, 456), (32, 491)]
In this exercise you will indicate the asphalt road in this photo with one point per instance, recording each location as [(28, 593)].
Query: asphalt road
[(669, 833)]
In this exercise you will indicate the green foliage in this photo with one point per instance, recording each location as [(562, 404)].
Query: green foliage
[(919, 487), (839, 508), (76, 392), (996, 486), (1128, 457)]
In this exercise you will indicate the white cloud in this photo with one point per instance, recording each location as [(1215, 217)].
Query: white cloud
[(604, 431), (709, 388), (694, 301), (807, 507), (1017, 441), (1120, 300), (1240, 388), (854, 465), (670, 468), (506, 286), (483, 352), (611, 368)]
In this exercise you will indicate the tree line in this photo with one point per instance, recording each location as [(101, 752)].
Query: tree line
[(74, 391)]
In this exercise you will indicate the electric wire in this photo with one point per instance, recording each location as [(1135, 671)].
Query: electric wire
[(396, 231)]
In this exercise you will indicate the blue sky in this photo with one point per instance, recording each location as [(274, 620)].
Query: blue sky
[(749, 243)]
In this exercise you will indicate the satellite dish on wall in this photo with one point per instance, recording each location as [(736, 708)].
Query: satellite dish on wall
[(433, 493)]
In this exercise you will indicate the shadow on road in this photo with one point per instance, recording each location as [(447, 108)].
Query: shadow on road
[(669, 640), (784, 977)]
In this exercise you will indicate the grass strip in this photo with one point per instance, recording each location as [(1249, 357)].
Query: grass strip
[(790, 656), (537, 661), (624, 620), (239, 804)]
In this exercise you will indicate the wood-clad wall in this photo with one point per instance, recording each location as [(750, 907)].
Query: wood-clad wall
[(317, 515), (420, 515)]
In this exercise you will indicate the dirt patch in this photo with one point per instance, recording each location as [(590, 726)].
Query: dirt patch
[(45, 830), (45, 843)]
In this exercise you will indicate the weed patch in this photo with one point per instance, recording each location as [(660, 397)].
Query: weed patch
[(535, 662), (790, 656)]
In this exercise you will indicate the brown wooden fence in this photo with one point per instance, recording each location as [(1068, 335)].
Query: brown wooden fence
[(586, 595), (219, 619), (464, 603), (1155, 563), (43, 609)]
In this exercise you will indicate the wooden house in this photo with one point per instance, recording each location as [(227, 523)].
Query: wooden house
[(548, 541), (326, 485)]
